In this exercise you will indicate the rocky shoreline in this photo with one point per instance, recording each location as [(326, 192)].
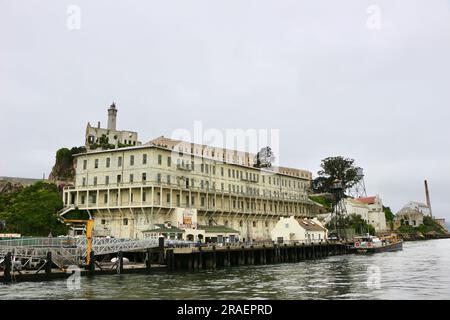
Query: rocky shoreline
[(426, 236)]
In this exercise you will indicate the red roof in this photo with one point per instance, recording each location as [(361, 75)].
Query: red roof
[(368, 200)]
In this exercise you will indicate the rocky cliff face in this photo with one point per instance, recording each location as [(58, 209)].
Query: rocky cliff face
[(64, 168), (7, 187)]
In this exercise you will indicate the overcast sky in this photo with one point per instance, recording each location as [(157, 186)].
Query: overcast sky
[(363, 79)]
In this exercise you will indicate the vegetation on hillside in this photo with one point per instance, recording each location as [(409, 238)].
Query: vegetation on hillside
[(389, 215), (428, 226), (32, 211), (354, 222), (326, 202)]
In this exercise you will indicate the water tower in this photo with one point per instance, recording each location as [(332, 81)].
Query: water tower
[(359, 189)]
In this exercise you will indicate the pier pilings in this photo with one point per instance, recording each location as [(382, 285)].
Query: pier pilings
[(212, 257)]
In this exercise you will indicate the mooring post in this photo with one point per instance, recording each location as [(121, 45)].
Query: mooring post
[(214, 257), (194, 260), (161, 251), (169, 260), (190, 263), (148, 259), (7, 273), (200, 258), (120, 262), (92, 264), (48, 264)]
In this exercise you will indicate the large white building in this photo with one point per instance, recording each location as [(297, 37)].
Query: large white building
[(418, 206), (132, 191), (370, 209)]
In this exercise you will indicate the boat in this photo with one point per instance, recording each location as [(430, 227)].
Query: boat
[(373, 244)]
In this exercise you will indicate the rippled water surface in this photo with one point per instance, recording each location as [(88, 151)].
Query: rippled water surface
[(420, 271)]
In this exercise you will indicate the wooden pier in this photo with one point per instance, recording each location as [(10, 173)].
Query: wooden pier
[(212, 257), (189, 258)]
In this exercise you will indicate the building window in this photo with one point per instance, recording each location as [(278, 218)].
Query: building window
[(144, 176), (95, 181), (125, 221), (84, 164), (106, 180), (132, 160), (119, 161), (266, 224), (202, 201), (103, 221), (131, 177), (144, 159), (144, 196), (169, 161), (254, 224), (108, 162), (241, 223), (119, 178), (221, 171), (105, 199), (84, 182), (159, 159), (168, 179), (96, 164), (83, 199), (193, 201), (158, 177), (168, 198)]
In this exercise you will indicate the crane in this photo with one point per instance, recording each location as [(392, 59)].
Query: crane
[(89, 226)]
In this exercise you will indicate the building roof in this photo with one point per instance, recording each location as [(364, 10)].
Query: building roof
[(310, 225), (367, 200), (408, 212), (161, 228), (416, 203), (217, 229)]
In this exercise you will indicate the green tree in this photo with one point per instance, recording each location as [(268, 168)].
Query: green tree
[(355, 222), (334, 168), (33, 210), (389, 216)]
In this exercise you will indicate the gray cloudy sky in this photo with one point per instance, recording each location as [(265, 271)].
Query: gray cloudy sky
[(312, 69)]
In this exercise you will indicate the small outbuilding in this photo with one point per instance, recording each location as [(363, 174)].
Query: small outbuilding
[(298, 230)]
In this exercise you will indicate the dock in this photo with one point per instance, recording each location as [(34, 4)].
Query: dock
[(58, 262)]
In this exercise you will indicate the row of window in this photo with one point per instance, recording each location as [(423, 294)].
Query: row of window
[(119, 162), (204, 185), (204, 168)]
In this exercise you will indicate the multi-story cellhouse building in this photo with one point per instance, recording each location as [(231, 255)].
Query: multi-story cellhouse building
[(185, 191)]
